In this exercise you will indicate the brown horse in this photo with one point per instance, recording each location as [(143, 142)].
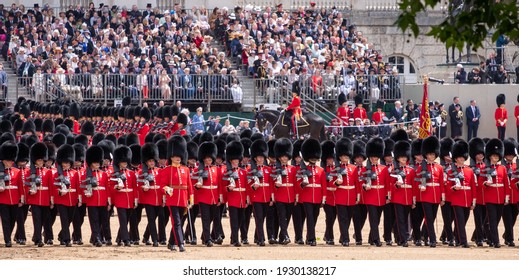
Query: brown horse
[(314, 126)]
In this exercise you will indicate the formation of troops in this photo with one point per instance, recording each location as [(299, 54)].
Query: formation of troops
[(68, 160)]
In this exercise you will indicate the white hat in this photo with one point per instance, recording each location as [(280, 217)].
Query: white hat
[(232, 16), (459, 65)]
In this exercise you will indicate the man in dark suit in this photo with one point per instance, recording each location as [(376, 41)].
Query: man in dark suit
[(454, 119), (398, 112), (473, 115)]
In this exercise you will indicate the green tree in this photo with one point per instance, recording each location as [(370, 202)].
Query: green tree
[(468, 22)]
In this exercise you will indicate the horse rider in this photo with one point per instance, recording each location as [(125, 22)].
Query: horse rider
[(293, 111)]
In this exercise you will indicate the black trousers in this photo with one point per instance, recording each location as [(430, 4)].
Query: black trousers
[(194, 213), (501, 131), (402, 221), (152, 213), (359, 220), (40, 217), (389, 222), (236, 216), (272, 222), (472, 131), (430, 211), (312, 213), (8, 214), (79, 219), (217, 230), (331, 215), (345, 215), (244, 229), (417, 216), (210, 213), (285, 211), (260, 213), (135, 219), (494, 213), (375, 212), (162, 217), (509, 219), (461, 216), (21, 217), (517, 132), (299, 218), (447, 216), (66, 216), (176, 236), (47, 226), (480, 213), (98, 218), (124, 216)]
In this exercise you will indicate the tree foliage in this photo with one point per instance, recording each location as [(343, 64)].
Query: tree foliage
[(467, 22)]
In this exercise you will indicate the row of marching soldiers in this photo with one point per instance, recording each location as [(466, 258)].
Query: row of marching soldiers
[(277, 181)]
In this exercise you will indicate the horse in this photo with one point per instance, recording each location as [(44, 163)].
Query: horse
[(314, 125)]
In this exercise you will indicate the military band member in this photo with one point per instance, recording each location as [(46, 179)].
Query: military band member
[(22, 160), (477, 156), (330, 168), (145, 116), (359, 219), (446, 162), (10, 190)]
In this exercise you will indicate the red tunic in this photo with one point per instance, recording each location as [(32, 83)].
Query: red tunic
[(178, 180), (42, 196), (343, 114), (265, 190), (77, 129), (295, 106), (153, 196), (70, 198), (286, 193), (378, 116), (500, 115), (346, 193), (238, 196), (13, 187), (209, 192), (499, 189), (223, 192), (360, 113), (379, 187), (100, 193), (143, 132), (516, 114), (466, 195), (125, 197), (403, 194), (479, 190), (331, 188), (435, 186), (514, 189)]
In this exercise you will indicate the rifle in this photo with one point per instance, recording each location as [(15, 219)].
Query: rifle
[(255, 174), (118, 177), (3, 177), (147, 177), (303, 172), (63, 181), (279, 173), (230, 175), (89, 183), (489, 172), (398, 173), (456, 177), (424, 175), (35, 181), (368, 176)]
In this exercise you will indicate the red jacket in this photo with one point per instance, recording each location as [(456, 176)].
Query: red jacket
[(125, 197), (435, 187), (360, 113), (42, 195), (237, 197), (497, 191), (100, 193), (516, 114), (209, 192), (514, 188), (346, 193), (377, 117), (265, 190), (13, 188), (379, 187), (287, 192), (479, 190), (70, 198), (143, 132), (153, 196), (403, 194), (295, 106), (466, 195), (177, 180), (331, 188), (500, 115), (343, 114), (316, 188)]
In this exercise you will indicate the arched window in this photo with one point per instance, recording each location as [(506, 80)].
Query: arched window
[(405, 67)]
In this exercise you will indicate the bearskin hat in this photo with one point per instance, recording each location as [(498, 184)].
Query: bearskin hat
[(399, 134), (175, 111), (510, 147), (63, 129), (283, 147), (27, 139), (166, 112), (59, 139), (20, 100), (460, 149), (131, 139), (47, 126), (255, 136), (8, 151), (259, 148), (127, 100), (416, 147), (121, 140), (98, 111), (149, 137), (94, 154), (158, 137), (66, 153), (341, 99), (128, 112), (5, 126), (75, 111), (187, 137), (6, 136), (328, 150), (380, 104), (196, 138), (192, 150), (500, 99), (18, 125), (446, 147), (343, 147), (177, 147), (162, 145), (476, 146), (80, 152), (375, 147), (246, 133), (23, 152), (122, 154), (247, 143), (38, 124), (136, 154), (402, 149), (81, 139), (234, 150), (271, 143), (111, 138), (358, 99), (51, 151), (311, 149), (145, 113), (232, 137), (88, 128), (149, 151), (494, 147), (223, 136), (69, 123), (182, 118), (389, 146), (28, 126), (98, 137), (431, 144), (25, 110), (38, 151), (207, 149), (359, 149), (108, 148), (205, 137)]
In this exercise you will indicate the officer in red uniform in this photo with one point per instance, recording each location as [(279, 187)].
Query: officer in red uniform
[(330, 169), (496, 188), (462, 181), (37, 182), (477, 156), (379, 114), (21, 163), (359, 111), (94, 189), (150, 194), (181, 124), (343, 113), (501, 116), (145, 127), (294, 110), (74, 115), (510, 210), (359, 156), (175, 180), (446, 162), (123, 188), (430, 190), (285, 186), (65, 191), (10, 189)]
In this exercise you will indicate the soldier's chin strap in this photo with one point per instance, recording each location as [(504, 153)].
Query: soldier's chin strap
[(60, 169), (2, 171), (33, 169), (88, 172)]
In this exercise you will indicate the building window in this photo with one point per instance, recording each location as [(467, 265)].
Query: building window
[(405, 67)]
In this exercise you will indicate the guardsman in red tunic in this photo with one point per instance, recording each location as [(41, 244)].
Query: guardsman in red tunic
[(510, 210), (401, 189), (192, 164), (389, 210), (181, 125), (132, 140), (123, 188), (74, 115), (285, 186), (107, 167), (145, 127), (373, 185), (501, 116), (65, 191), (359, 156), (330, 169), (298, 214), (88, 130), (21, 163), (496, 188), (430, 187), (94, 189), (50, 164), (447, 236), (462, 181), (37, 182), (217, 233), (150, 194), (359, 111), (208, 189), (312, 192), (79, 215), (379, 114), (477, 162), (294, 110), (245, 164), (343, 113), (261, 187), (10, 189)]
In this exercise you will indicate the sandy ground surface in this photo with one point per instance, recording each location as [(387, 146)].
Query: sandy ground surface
[(253, 252)]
